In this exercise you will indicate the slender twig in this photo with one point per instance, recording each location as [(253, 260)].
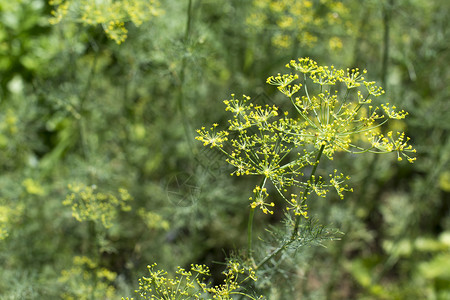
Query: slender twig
[(298, 217), (387, 8), (275, 253), (250, 232), (180, 102), (250, 227), (305, 193), (80, 109)]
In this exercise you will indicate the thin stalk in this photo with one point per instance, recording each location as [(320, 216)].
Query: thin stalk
[(343, 102), (387, 9), (188, 21), (180, 98), (305, 193), (81, 110), (365, 14), (303, 115), (309, 99), (250, 233), (297, 220), (250, 226), (275, 253)]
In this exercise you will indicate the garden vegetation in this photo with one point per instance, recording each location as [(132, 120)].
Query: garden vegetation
[(224, 149)]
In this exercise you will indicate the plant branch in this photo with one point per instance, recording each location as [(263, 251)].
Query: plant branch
[(180, 98), (275, 253), (298, 217), (250, 227), (305, 193), (250, 232)]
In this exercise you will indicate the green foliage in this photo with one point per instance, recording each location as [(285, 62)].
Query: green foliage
[(8, 216), (97, 207), (78, 108), (85, 280), (23, 32)]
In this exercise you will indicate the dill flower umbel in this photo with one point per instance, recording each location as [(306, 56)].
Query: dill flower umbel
[(295, 22), (333, 111), (192, 284), (111, 15), (101, 208)]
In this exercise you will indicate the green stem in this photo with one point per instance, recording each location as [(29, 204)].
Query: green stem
[(298, 217), (364, 20), (82, 112), (305, 193), (188, 22), (180, 98), (275, 253), (303, 115), (250, 226), (387, 9), (183, 61), (250, 232), (309, 99)]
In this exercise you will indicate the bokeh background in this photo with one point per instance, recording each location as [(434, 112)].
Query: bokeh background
[(81, 104)]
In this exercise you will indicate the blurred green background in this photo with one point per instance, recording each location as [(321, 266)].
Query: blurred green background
[(78, 108)]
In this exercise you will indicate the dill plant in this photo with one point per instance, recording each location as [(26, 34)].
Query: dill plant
[(87, 278), (332, 111)]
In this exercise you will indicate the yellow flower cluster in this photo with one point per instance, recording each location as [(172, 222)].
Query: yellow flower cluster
[(232, 282), (211, 137), (294, 22), (185, 284), (192, 284), (388, 143), (32, 187), (153, 220), (111, 15), (8, 127), (300, 209), (260, 197), (332, 112), (97, 207), (86, 280), (8, 215), (337, 180), (390, 111)]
